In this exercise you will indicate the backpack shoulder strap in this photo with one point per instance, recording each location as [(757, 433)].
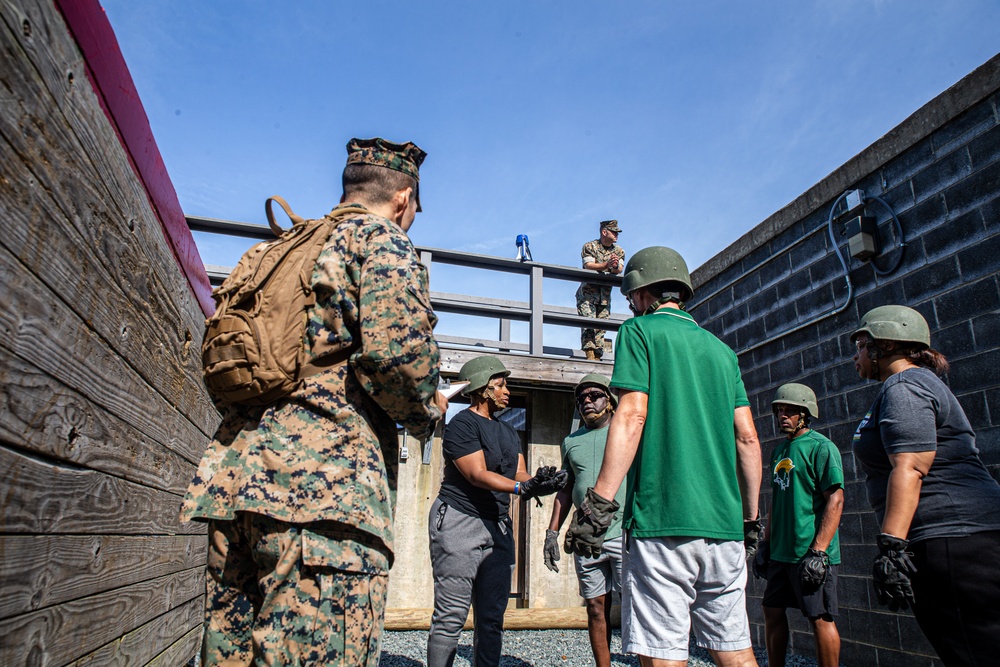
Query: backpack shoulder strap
[(294, 217)]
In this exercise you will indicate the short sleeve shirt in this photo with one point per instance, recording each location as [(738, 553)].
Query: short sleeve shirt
[(682, 481), (802, 470), (916, 412), (583, 454), (466, 434)]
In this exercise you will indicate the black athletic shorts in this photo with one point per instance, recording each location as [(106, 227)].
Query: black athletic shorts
[(784, 590)]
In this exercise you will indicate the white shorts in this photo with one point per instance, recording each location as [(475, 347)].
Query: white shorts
[(674, 586)]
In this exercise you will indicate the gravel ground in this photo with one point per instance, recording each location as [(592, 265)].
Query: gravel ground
[(534, 648)]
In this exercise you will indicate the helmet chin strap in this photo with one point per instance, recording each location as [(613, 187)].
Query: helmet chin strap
[(490, 394), (803, 423), (874, 354), (667, 297), (596, 417)]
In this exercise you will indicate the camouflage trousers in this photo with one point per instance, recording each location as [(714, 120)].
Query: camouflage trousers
[(593, 302), (292, 594)]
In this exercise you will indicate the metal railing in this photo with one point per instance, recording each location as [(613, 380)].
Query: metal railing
[(534, 311)]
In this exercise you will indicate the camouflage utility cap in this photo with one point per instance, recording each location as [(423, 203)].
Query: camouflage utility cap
[(406, 158), (611, 225)]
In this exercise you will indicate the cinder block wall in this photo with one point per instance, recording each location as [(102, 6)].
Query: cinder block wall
[(778, 297)]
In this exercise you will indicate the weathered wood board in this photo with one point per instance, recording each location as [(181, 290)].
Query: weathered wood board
[(39, 571), (56, 635), (103, 414)]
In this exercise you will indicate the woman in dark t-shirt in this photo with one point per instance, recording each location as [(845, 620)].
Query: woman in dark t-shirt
[(469, 528), (936, 503)]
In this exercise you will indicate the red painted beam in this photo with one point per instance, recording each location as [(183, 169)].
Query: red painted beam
[(112, 81)]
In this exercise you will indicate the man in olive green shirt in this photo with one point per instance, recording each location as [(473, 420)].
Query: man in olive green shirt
[(582, 453)]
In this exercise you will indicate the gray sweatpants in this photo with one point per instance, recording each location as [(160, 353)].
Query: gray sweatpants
[(473, 561)]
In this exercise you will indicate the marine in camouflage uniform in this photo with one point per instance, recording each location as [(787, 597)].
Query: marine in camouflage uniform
[(299, 495), (604, 256)]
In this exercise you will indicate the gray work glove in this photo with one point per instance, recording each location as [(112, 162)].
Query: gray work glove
[(551, 550), (891, 573), (590, 524), (751, 537), (547, 480), (761, 559), (813, 569)]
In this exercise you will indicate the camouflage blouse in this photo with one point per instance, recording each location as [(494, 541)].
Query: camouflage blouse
[(594, 251), (329, 451)]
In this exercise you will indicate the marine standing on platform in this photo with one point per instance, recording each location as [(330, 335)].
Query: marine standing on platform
[(604, 256), (299, 495), (800, 551)]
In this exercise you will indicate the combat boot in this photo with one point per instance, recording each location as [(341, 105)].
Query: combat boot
[(591, 355)]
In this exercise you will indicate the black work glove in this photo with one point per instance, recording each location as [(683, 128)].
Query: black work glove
[(813, 569), (585, 536), (892, 571), (751, 537), (761, 559), (551, 550), (547, 480)]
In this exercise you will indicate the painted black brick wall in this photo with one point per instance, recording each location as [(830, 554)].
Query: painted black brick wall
[(944, 185)]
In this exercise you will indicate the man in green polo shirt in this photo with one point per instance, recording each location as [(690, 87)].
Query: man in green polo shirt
[(684, 435), (800, 551)]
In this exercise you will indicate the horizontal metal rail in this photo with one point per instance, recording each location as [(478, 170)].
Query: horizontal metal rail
[(535, 312)]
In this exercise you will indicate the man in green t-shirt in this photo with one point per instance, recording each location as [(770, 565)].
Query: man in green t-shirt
[(800, 551), (684, 434), (582, 453)]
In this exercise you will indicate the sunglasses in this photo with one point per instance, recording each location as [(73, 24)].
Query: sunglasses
[(592, 396)]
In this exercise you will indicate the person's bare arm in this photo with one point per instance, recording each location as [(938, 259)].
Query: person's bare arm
[(473, 468), (596, 266), (748, 461), (624, 434), (903, 494), (829, 520), (560, 509)]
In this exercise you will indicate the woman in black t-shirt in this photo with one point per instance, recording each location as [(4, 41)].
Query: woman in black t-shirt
[(469, 528), (937, 505)]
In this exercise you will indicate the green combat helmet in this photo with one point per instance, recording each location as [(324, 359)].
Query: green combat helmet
[(798, 395), (477, 372), (597, 380), (654, 265), (898, 323)]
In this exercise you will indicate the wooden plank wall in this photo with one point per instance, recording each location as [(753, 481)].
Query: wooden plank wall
[(103, 415)]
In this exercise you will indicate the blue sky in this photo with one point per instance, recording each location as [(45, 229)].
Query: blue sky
[(689, 122)]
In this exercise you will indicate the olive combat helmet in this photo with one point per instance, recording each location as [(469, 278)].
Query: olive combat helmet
[(477, 372), (597, 380), (656, 264), (798, 395), (897, 323)]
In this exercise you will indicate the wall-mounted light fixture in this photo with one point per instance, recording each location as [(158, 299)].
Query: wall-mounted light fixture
[(862, 230), (862, 238)]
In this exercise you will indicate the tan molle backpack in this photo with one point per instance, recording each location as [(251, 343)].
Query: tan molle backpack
[(254, 349)]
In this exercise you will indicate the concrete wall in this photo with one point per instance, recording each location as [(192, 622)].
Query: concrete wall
[(940, 172), (552, 415)]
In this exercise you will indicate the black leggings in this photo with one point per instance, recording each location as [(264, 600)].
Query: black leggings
[(957, 593)]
